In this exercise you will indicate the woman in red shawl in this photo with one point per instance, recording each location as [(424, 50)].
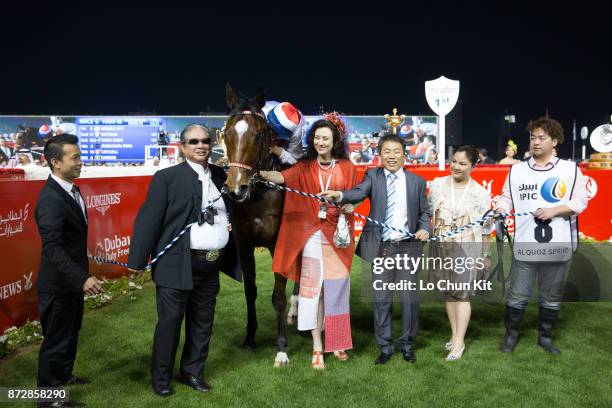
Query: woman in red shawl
[(304, 250)]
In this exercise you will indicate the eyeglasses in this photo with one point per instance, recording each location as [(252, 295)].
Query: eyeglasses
[(196, 141), (540, 138)]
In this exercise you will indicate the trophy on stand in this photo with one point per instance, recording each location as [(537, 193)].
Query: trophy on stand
[(394, 121), (219, 150), (601, 142)]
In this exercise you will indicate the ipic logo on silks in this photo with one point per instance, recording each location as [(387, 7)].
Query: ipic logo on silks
[(553, 189), (528, 191)]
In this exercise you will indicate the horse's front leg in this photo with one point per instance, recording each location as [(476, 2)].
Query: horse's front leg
[(293, 305), (279, 301), (250, 292)]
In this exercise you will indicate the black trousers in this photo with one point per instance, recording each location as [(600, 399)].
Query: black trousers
[(61, 316), (197, 306)]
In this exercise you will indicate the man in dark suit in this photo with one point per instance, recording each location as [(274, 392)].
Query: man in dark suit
[(63, 276), (187, 276), (397, 198), (484, 159), (5, 152)]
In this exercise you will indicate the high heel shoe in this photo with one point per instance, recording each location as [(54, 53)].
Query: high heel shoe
[(456, 356), (448, 346), (341, 355), (317, 360)]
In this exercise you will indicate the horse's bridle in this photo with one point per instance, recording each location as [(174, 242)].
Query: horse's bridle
[(262, 152)]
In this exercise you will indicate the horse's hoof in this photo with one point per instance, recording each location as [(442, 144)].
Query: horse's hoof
[(249, 345), (281, 360)]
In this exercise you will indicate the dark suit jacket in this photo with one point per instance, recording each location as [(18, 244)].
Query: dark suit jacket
[(174, 201), (489, 160), (374, 187), (64, 267)]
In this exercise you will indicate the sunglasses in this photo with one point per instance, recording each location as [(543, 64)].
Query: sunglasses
[(196, 141)]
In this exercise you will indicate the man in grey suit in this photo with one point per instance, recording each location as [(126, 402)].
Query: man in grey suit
[(397, 198)]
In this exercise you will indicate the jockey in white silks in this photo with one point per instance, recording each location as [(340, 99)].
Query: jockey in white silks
[(289, 125)]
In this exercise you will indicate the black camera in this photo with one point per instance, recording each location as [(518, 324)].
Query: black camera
[(207, 216)]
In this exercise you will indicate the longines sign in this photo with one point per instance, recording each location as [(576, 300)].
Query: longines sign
[(103, 202)]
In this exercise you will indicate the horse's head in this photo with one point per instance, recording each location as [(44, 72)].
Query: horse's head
[(246, 138)]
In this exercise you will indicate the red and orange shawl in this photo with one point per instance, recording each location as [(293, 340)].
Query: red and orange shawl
[(300, 215)]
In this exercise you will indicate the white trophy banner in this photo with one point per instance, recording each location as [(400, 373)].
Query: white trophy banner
[(442, 95)]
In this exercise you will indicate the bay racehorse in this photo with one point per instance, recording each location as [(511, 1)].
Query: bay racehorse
[(257, 208)]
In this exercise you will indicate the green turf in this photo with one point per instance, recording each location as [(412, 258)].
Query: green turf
[(115, 350)]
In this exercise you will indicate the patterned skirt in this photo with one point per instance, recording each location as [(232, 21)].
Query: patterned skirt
[(324, 274)]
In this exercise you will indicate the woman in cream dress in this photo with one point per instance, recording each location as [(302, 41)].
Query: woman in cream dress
[(457, 200)]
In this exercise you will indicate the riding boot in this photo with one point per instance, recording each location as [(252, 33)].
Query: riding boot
[(547, 321), (512, 321)]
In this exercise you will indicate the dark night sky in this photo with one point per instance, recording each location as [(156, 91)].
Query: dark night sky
[(115, 61)]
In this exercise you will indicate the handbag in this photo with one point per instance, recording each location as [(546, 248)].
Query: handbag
[(342, 236)]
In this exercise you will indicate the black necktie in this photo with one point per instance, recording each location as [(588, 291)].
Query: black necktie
[(76, 193)]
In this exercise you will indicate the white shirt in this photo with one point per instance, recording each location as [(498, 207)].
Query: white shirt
[(206, 236), (400, 210), (67, 186)]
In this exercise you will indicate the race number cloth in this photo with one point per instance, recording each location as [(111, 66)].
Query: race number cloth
[(554, 240)]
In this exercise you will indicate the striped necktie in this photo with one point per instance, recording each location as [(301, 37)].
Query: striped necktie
[(391, 196)]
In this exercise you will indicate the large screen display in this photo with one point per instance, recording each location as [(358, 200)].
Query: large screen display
[(123, 139), (111, 139)]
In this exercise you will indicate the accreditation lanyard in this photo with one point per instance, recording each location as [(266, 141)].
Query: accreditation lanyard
[(208, 211), (205, 179), (456, 206), (323, 206)]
